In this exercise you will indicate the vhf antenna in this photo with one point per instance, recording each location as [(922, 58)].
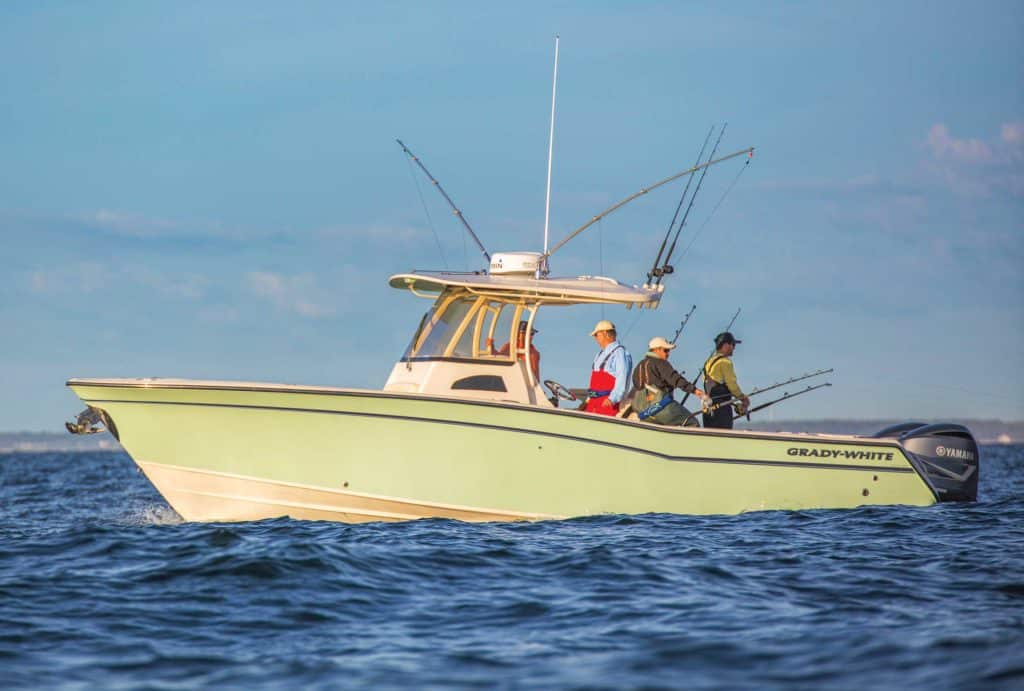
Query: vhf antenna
[(543, 268)]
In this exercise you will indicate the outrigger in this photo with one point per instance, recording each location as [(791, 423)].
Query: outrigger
[(458, 431)]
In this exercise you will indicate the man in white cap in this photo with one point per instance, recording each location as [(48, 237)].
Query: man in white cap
[(609, 377), (655, 381)]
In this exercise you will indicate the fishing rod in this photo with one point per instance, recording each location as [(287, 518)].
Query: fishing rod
[(654, 268), (682, 325), (446, 198), (643, 191), (783, 397), (666, 268), (714, 210), (734, 399), (701, 373), (792, 380)]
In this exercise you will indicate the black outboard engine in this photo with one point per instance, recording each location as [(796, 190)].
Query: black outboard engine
[(945, 455)]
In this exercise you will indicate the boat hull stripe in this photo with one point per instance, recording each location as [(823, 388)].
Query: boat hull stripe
[(624, 447), (353, 393)]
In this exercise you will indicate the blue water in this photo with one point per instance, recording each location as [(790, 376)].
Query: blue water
[(101, 585)]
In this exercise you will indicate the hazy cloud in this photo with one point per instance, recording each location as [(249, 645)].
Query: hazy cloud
[(968, 166), (190, 286), (973, 167), (79, 278), (1013, 133), (944, 147), (218, 314), (866, 185), (376, 233), (132, 224), (296, 294), (142, 226), (83, 278)]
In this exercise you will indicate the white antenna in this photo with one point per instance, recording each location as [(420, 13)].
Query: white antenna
[(551, 145)]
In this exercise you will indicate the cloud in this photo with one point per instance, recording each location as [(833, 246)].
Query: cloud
[(975, 168), (375, 233), (218, 314), (82, 278), (134, 225), (866, 185), (895, 214), (968, 166), (1013, 133), (945, 147), (85, 278), (290, 293), (189, 286)]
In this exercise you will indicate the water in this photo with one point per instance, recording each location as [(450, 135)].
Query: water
[(101, 586)]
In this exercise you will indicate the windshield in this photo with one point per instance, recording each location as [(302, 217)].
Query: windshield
[(465, 326)]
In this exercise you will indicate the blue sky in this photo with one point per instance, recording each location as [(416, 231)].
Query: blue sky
[(213, 190)]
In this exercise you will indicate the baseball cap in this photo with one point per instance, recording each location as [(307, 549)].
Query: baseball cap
[(725, 337), (659, 342)]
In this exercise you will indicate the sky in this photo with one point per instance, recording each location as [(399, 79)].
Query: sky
[(213, 190)]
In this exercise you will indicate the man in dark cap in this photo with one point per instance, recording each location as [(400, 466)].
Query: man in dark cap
[(720, 382)]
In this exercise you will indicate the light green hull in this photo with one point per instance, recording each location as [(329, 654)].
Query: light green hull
[(238, 451)]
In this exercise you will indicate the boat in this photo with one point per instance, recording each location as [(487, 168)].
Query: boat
[(463, 431), (459, 432)]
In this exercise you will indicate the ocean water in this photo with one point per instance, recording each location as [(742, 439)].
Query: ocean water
[(103, 586)]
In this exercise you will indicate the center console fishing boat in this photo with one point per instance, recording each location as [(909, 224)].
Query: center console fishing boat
[(459, 432), (463, 430)]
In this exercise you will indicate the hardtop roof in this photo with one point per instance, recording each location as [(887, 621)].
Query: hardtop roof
[(567, 290)]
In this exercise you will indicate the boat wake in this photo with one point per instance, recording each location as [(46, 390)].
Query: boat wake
[(155, 514)]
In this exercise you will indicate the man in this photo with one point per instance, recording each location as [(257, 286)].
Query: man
[(655, 380), (520, 347), (720, 382), (609, 375)]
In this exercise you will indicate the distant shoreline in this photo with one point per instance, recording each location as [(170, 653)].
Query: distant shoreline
[(986, 432)]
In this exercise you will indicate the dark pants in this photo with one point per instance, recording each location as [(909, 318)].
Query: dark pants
[(721, 418)]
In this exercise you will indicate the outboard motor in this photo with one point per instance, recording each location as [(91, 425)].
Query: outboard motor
[(946, 456)]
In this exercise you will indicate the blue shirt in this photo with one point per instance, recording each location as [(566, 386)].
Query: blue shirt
[(619, 365)]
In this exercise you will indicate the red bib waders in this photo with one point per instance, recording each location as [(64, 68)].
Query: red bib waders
[(601, 384)]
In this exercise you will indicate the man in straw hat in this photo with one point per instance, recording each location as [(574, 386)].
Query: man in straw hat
[(609, 376), (655, 380)]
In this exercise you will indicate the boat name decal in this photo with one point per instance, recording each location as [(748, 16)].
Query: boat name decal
[(948, 452), (842, 453)]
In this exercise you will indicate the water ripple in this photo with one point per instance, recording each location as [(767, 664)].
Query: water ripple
[(103, 585)]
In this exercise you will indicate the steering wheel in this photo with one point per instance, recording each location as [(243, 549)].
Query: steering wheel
[(559, 391)]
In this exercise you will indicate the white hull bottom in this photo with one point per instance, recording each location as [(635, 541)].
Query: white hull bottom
[(199, 495)]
